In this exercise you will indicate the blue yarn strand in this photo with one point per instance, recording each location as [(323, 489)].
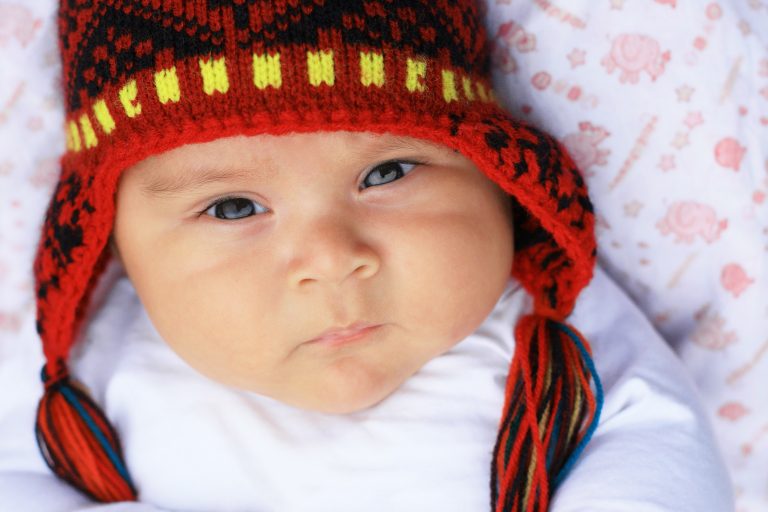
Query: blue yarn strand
[(599, 399), (74, 402), (555, 430)]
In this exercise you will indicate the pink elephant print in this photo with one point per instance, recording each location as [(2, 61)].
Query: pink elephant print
[(17, 22), (502, 58), (687, 219), (509, 36), (515, 36), (583, 146), (634, 53)]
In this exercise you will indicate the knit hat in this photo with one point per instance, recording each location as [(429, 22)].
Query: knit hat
[(144, 76)]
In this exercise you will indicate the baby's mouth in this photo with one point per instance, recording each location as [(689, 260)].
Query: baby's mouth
[(341, 335)]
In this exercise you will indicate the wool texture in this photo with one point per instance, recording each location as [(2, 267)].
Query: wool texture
[(145, 76)]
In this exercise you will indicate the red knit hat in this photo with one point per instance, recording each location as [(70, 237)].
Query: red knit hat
[(145, 76)]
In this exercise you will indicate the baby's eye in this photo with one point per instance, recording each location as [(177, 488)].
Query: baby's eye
[(388, 172), (232, 208)]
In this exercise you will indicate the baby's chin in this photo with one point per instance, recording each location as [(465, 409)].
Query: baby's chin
[(327, 402), (345, 384), (325, 399), (337, 398)]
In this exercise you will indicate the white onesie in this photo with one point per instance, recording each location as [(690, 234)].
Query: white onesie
[(194, 445)]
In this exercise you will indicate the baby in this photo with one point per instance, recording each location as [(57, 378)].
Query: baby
[(310, 261), (320, 204)]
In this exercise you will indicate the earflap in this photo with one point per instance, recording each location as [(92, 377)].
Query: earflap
[(73, 434), (70, 258), (551, 408)]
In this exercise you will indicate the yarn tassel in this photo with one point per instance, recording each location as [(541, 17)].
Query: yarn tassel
[(549, 415), (78, 443)]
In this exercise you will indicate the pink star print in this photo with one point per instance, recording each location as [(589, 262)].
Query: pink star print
[(684, 93), (576, 57), (693, 119), (680, 140), (667, 163)]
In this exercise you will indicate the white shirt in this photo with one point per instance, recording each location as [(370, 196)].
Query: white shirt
[(193, 445)]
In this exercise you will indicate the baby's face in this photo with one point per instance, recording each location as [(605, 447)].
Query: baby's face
[(244, 249)]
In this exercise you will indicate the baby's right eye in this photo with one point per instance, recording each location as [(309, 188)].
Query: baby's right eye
[(231, 208)]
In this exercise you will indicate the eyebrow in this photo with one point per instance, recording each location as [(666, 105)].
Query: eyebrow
[(198, 177), (193, 179), (394, 143)]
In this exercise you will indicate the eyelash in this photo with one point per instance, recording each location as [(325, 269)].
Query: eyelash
[(226, 199)]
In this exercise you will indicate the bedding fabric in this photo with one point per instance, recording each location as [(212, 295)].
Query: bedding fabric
[(664, 104)]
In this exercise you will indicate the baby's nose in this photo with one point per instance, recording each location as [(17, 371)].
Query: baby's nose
[(331, 250)]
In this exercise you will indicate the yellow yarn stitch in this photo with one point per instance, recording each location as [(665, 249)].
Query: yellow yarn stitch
[(73, 137), (529, 478), (481, 91), (449, 86), (467, 86), (103, 116), (128, 98), (415, 73), (215, 77), (88, 134), (320, 65), (167, 85), (267, 71), (371, 69)]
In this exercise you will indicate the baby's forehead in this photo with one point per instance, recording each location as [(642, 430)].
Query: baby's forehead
[(332, 140), (243, 156), (256, 149)]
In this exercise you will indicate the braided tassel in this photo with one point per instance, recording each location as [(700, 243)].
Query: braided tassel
[(78, 443), (549, 415)]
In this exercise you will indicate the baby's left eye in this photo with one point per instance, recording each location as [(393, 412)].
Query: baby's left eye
[(388, 172)]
